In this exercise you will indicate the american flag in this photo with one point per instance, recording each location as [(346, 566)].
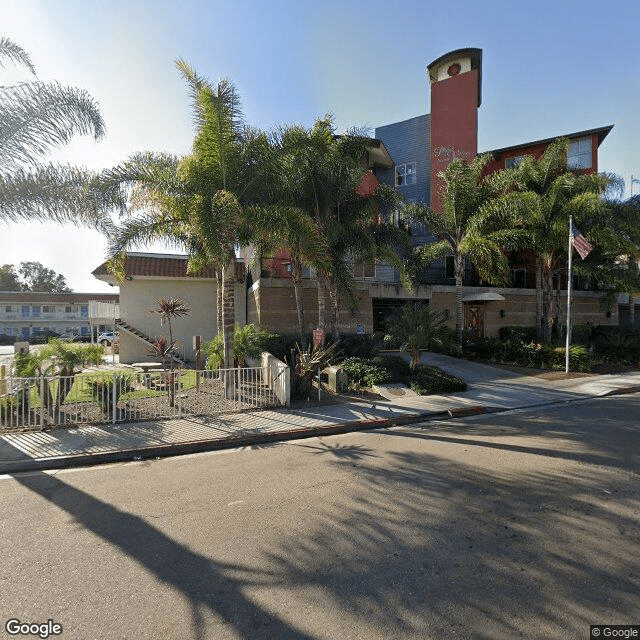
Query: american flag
[(580, 243)]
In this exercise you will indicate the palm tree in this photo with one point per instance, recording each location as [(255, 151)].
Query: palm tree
[(35, 118), (208, 203), (169, 309), (477, 223), (548, 194), (322, 175), (416, 326), (60, 359)]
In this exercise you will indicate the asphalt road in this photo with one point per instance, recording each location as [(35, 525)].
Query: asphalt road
[(523, 524)]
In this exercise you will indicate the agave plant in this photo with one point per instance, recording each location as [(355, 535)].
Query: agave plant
[(308, 363)]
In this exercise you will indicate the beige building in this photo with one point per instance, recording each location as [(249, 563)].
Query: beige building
[(150, 277)]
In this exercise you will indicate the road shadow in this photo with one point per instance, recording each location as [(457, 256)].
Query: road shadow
[(427, 545), (197, 577)]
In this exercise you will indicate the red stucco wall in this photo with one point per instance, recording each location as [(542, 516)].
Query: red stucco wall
[(454, 125)]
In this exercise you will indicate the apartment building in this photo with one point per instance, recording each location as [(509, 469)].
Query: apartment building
[(26, 315)]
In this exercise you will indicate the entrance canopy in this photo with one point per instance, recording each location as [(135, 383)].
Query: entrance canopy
[(482, 297)]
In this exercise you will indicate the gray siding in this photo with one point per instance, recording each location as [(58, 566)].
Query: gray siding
[(409, 141)]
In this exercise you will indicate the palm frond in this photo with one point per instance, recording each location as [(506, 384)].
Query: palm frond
[(58, 193), (36, 117), (10, 51)]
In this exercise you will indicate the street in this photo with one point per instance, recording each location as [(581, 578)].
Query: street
[(522, 524)]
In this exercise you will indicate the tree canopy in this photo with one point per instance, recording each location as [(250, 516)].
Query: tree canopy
[(32, 276)]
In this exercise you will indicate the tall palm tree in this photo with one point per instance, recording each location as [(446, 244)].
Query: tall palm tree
[(208, 203), (322, 176), (35, 118), (477, 223), (548, 194)]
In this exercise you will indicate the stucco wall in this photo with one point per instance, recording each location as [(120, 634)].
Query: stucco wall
[(138, 297)]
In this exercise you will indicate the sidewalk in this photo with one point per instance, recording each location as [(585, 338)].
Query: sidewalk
[(490, 389)]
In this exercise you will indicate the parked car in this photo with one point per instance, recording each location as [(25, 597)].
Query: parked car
[(107, 338), (71, 336)]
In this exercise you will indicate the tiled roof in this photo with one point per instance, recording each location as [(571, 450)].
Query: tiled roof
[(60, 298), (155, 265)]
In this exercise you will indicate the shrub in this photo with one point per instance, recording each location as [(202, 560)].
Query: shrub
[(395, 365), (308, 363), (582, 333), (617, 344), (522, 334), (281, 345), (102, 390), (359, 346), (364, 373), (248, 342), (427, 380)]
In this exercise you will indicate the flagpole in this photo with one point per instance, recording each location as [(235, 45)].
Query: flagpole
[(568, 342)]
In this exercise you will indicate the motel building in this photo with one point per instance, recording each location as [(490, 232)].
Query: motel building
[(407, 155)]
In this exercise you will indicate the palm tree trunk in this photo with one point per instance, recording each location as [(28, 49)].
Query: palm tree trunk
[(228, 321), (547, 287), (335, 310), (539, 314), (557, 311), (322, 307), (219, 286), (296, 276), (458, 264)]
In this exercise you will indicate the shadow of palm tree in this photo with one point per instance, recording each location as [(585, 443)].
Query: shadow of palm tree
[(197, 577), (339, 450)]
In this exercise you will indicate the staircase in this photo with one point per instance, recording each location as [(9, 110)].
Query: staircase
[(123, 326)]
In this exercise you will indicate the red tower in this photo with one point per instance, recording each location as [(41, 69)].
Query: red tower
[(456, 81)]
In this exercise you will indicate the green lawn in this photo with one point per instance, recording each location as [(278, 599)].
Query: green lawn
[(80, 393)]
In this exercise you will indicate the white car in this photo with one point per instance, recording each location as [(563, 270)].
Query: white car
[(107, 338)]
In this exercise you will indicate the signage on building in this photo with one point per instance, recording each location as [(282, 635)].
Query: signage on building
[(318, 337)]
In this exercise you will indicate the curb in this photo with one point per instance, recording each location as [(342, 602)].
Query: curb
[(622, 391), (248, 439), (200, 446)]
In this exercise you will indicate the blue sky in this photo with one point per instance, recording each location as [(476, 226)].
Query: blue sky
[(549, 68)]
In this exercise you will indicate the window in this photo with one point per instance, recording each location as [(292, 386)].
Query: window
[(8, 308), (513, 162), (35, 311), (25, 310), (579, 155), (67, 309), (46, 309), (25, 332), (84, 311), (36, 331), (406, 174)]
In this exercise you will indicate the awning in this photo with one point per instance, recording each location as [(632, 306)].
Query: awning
[(482, 297)]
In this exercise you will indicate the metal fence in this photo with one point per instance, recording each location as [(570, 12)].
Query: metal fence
[(128, 395)]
